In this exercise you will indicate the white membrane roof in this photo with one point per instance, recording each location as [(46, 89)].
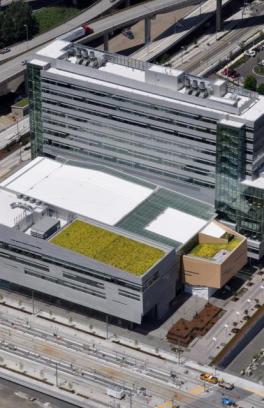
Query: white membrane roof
[(91, 193), (213, 230), (10, 216), (176, 225), (258, 183)]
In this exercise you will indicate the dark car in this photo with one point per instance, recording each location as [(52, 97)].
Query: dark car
[(235, 330), (5, 50)]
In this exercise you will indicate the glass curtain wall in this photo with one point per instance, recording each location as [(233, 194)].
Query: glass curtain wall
[(35, 105), (230, 169)]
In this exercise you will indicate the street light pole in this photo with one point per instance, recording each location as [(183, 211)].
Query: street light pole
[(182, 48), (26, 27), (107, 328)]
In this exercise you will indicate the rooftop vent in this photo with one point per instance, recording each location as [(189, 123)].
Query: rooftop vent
[(187, 82), (195, 84), (92, 55), (202, 86)]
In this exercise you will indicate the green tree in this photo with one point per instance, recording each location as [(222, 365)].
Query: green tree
[(250, 83), (261, 89), (15, 21)]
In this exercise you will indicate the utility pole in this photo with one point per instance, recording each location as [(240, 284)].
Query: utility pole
[(33, 303), (56, 374), (26, 27), (106, 320), (130, 399), (218, 15)]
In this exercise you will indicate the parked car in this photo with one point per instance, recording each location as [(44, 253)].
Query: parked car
[(209, 378), (129, 34), (235, 74), (261, 63), (226, 385), (250, 53), (5, 50), (235, 330)]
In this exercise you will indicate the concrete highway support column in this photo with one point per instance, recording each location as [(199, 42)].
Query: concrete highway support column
[(147, 30), (218, 15), (106, 41)]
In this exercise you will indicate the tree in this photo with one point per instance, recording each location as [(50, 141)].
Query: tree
[(261, 89), (15, 22), (250, 83)]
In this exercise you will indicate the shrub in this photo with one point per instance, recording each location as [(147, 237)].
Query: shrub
[(261, 89), (250, 83)]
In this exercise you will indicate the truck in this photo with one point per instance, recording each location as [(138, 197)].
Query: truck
[(79, 32), (209, 378), (115, 392), (228, 402), (225, 385)]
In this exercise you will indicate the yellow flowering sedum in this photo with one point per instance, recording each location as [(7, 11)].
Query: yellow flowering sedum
[(210, 250), (108, 247)]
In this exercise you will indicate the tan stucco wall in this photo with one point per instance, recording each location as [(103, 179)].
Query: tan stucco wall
[(203, 272)]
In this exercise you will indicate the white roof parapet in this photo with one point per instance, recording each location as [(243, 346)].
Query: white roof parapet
[(87, 192)]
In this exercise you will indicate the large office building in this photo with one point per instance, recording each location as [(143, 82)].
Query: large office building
[(110, 242), (199, 137)]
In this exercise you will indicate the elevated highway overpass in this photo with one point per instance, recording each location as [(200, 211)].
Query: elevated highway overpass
[(183, 29), (129, 16), (11, 69)]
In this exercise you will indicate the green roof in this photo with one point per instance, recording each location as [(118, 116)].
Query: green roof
[(108, 247), (22, 103), (209, 250)]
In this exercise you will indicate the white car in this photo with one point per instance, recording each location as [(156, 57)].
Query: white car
[(261, 63), (250, 53)]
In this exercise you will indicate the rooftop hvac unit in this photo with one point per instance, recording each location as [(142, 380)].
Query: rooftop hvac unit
[(202, 86), (187, 82), (78, 53), (103, 60), (32, 200), (19, 196), (84, 53), (71, 52), (95, 63), (92, 55), (195, 84), (87, 62), (26, 198)]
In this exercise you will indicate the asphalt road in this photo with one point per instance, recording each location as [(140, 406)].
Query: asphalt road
[(133, 14), (247, 67), (91, 13), (220, 50), (98, 366), (16, 396), (245, 357), (14, 67), (197, 17)]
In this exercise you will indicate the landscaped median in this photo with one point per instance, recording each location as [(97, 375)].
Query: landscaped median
[(234, 346), (108, 247)]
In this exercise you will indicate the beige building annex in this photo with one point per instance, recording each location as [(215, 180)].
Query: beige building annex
[(214, 256)]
